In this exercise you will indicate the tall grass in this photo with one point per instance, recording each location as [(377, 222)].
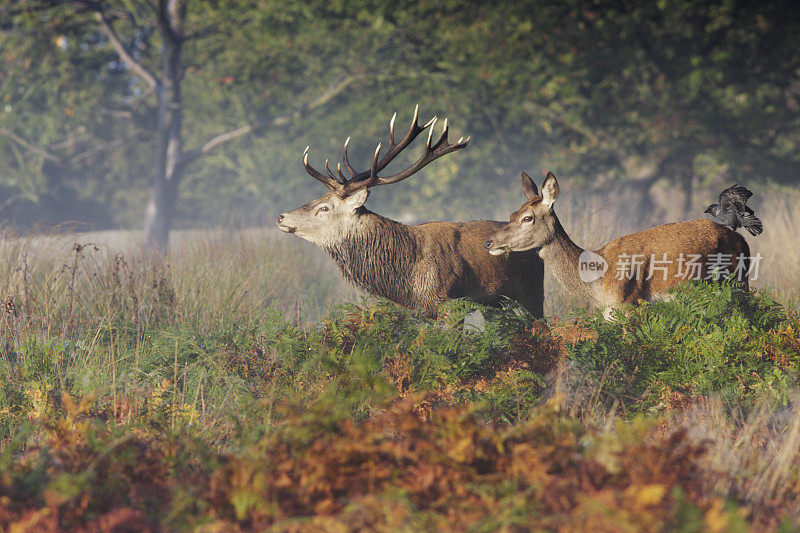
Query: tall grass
[(207, 351), (67, 283), (211, 276), (779, 246), (754, 455), (92, 312), (221, 274)]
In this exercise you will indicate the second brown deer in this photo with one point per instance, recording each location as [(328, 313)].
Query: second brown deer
[(416, 266), (639, 266)]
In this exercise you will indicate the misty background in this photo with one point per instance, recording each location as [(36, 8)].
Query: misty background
[(647, 110)]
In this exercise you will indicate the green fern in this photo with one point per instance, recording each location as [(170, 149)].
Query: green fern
[(707, 339)]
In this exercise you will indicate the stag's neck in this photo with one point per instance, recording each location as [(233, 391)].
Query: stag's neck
[(561, 255), (378, 254)]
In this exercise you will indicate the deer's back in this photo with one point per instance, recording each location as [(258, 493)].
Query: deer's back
[(664, 253)]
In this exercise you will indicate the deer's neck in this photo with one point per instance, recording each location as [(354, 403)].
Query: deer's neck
[(378, 255), (561, 255)]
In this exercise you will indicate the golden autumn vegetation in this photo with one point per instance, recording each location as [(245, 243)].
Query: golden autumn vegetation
[(230, 390)]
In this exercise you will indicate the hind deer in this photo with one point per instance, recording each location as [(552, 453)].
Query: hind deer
[(645, 264), (416, 266)]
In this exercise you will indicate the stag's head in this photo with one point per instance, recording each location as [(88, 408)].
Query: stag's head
[(329, 219), (533, 224)]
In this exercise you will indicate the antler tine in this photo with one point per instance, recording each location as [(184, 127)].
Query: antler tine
[(330, 173), (370, 178), (431, 123), (443, 136), (330, 183), (346, 162), (442, 147), (391, 129), (395, 148), (373, 171)]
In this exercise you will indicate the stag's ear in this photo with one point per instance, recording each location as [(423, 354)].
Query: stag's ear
[(357, 199), (549, 190), (528, 186)]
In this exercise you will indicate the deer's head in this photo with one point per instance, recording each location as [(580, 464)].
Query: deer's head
[(328, 219), (533, 224)]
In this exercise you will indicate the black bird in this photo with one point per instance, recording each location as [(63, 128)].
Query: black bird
[(732, 212)]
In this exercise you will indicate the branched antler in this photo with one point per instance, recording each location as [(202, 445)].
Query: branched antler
[(343, 186)]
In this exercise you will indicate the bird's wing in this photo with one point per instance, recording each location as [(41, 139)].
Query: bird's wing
[(743, 192), (752, 223), (733, 198)]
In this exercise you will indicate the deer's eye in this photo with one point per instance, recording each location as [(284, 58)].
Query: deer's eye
[(527, 219), (323, 209)]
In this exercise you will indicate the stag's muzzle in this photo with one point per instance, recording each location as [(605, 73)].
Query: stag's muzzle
[(286, 229), (495, 250)]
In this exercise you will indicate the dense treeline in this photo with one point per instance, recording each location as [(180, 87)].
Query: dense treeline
[(652, 102)]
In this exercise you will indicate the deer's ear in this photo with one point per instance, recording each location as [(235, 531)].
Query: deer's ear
[(357, 199), (528, 186), (549, 190)]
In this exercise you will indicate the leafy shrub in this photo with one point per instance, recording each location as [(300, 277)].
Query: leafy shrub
[(378, 417), (706, 339), (448, 472), (442, 358)]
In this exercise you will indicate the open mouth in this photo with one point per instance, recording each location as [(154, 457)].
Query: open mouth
[(500, 251), (286, 229)]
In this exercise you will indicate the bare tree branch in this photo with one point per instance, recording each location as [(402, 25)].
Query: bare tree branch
[(30, 146), (86, 154), (284, 120), (123, 53), (44, 5), (205, 32), (332, 92), (99, 7), (69, 142), (94, 150), (9, 11)]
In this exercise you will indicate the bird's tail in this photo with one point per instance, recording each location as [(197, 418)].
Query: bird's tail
[(752, 223)]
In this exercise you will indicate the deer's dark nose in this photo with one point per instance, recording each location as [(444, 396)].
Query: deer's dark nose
[(279, 219), (488, 245)]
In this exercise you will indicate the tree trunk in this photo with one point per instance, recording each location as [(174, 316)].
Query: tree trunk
[(634, 194), (169, 150), (171, 161), (158, 220)]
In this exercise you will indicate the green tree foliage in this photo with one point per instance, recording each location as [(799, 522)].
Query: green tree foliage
[(653, 100)]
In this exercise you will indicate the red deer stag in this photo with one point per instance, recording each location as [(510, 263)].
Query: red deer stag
[(415, 266), (640, 266)]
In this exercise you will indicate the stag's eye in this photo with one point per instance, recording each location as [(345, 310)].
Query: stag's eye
[(527, 219), (323, 209)]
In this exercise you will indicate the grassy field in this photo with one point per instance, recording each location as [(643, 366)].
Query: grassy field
[(242, 385)]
